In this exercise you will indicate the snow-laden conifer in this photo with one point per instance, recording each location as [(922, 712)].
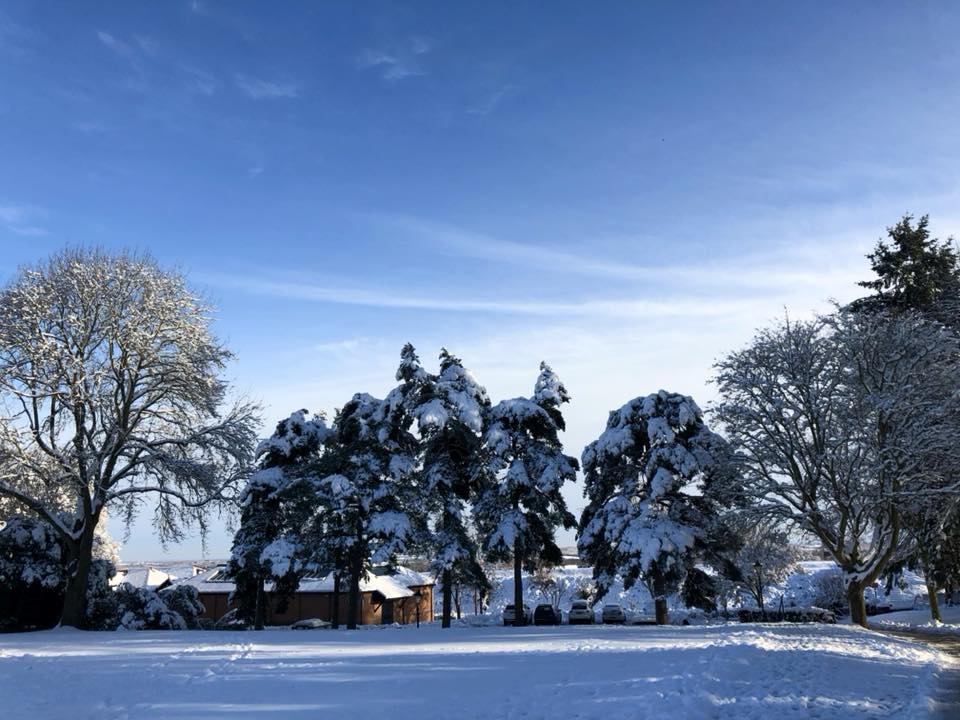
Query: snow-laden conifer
[(521, 507), (649, 483)]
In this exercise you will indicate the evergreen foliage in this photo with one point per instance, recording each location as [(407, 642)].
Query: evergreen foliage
[(652, 507), (520, 509)]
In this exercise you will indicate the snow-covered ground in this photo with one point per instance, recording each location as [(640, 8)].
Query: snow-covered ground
[(733, 671), (920, 621)]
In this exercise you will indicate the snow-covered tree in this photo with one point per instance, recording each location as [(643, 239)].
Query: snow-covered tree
[(111, 396), (369, 499), (268, 544), (835, 421), (764, 555), (450, 409), (919, 274), (521, 507), (649, 481), (929, 519)]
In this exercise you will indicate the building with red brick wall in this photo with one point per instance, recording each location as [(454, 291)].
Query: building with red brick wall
[(384, 599)]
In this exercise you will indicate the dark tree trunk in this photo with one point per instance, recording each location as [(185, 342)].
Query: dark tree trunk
[(335, 612), (447, 591), (457, 601), (352, 610), (858, 609), (519, 618), (934, 603), (660, 602), (259, 613), (79, 559)]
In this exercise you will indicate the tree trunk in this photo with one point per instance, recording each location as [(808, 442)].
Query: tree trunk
[(445, 621), (354, 599), (259, 613), (934, 604), (80, 557), (457, 601), (660, 602), (660, 606), (519, 618), (858, 609), (335, 612)]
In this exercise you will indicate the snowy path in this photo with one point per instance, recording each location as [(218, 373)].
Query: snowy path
[(736, 671), (947, 693)]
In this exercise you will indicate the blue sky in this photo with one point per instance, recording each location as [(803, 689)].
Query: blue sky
[(624, 189)]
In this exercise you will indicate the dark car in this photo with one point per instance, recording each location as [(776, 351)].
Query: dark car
[(547, 615)]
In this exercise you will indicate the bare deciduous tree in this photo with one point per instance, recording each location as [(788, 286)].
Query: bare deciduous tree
[(111, 396), (835, 421)]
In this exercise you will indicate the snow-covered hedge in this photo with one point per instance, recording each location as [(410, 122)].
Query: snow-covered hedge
[(794, 614), (144, 609), (185, 601)]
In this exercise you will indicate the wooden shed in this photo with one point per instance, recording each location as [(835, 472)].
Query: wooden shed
[(384, 599)]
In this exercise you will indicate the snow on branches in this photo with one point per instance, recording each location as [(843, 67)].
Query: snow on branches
[(648, 480)]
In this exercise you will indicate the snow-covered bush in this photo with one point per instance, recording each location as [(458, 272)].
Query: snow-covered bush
[(185, 601), (144, 609), (829, 591), (30, 554), (31, 574), (101, 601)]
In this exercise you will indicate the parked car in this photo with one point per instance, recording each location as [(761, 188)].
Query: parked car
[(230, 621), (509, 615), (613, 615), (547, 615), (580, 613), (310, 624), (875, 601)]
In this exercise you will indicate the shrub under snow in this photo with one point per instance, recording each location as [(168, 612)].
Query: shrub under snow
[(144, 609)]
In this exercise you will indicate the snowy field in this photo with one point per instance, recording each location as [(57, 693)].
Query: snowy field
[(734, 671)]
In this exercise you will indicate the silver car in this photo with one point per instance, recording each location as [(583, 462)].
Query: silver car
[(509, 615), (613, 615), (580, 613)]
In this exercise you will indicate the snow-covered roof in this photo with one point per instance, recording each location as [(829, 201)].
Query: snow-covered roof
[(408, 577), (141, 577), (215, 581)]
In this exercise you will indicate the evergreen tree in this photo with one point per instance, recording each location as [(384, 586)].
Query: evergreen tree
[(914, 272), (370, 495), (521, 507), (649, 481), (450, 410), (268, 544)]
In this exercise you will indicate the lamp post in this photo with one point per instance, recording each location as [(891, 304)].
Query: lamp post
[(757, 568), (416, 596)]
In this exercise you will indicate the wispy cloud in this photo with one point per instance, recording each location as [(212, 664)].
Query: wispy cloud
[(611, 308), (200, 82), (340, 347), (258, 89), (15, 39), (492, 102), (773, 270), (396, 63), (22, 220), (116, 45)]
